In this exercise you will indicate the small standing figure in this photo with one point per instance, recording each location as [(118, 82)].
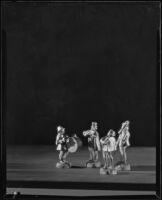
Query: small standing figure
[(61, 143), (93, 145), (123, 142), (108, 144)]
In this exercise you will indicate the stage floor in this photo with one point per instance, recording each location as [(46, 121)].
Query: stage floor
[(32, 170), (38, 163)]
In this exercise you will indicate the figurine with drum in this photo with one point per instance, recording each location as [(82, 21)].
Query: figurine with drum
[(66, 145)]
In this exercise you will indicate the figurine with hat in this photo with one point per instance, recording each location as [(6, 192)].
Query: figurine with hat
[(93, 145), (61, 146), (108, 145), (122, 143)]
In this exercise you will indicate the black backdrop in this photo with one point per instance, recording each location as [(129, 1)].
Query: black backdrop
[(73, 63)]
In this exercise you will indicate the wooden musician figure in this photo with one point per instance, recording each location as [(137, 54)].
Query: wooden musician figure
[(108, 145), (123, 142), (93, 145), (61, 143)]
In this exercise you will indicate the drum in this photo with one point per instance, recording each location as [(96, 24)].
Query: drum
[(73, 143), (78, 141)]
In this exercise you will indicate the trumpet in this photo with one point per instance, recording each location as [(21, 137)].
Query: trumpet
[(88, 133)]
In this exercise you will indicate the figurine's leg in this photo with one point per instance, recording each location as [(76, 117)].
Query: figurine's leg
[(93, 155), (65, 155), (125, 156), (104, 158), (111, 159), (90, 157), (61, 155), (96, 161), (110, 164), (66, 164), (90, 162), (96, 156), (107, 159), (121, 149), (90, 154)]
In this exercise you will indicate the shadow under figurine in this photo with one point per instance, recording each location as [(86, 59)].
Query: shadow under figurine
[(108, 145), (122, 144), (93, 146)]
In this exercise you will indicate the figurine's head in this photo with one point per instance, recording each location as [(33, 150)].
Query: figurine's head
[(126, 126), (127, 123), (111, 133), (60, 129), (94, 126)]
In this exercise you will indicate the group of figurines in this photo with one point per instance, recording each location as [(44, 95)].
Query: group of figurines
[(108, 144)]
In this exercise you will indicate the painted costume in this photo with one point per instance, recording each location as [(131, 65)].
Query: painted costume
[(93, 140), (61, 142)]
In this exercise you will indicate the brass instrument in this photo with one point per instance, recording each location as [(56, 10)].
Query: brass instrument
[(88, 132)]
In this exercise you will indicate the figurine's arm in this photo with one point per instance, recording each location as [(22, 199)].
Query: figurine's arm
[(57, 139), (127, 139), (104, 140), (101, 141), (66, 138), (98, 141), (117, 142), (60, 140)]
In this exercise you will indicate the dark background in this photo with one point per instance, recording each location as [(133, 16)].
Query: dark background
[(73, 63)]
